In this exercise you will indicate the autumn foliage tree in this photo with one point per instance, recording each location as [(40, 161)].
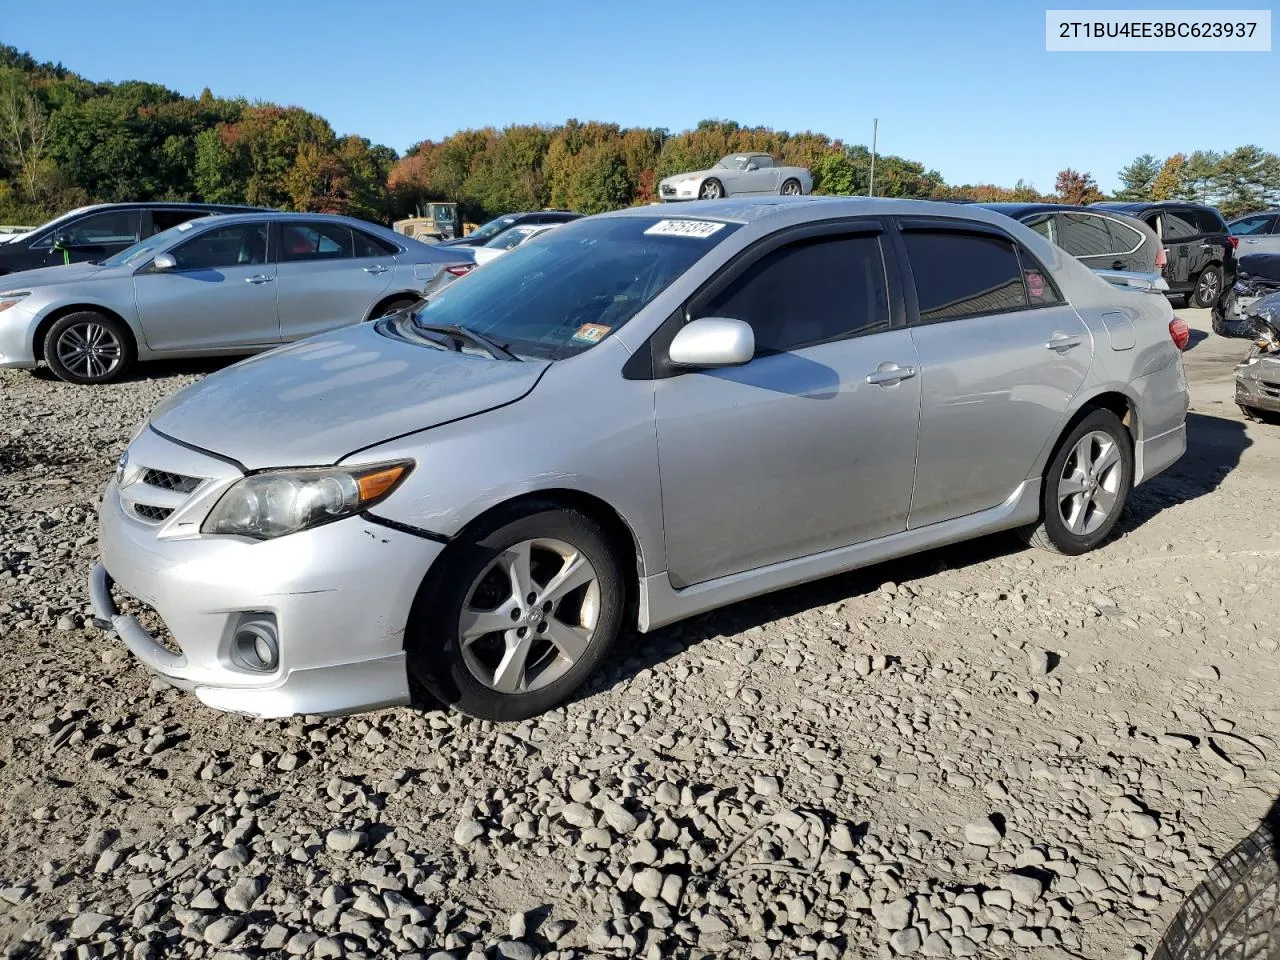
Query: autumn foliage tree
[(1076, 188)]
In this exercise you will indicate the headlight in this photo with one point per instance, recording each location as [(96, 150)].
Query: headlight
[(278, 502), (11, 298)]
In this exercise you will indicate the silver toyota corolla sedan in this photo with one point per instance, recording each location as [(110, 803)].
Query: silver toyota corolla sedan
[(638, 418), (230, 284)]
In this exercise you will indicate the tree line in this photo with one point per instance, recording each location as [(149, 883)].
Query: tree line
[(66, 141)]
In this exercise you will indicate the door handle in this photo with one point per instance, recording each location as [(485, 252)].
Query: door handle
[(376, 269), (258, 278), (1206, 246), (888, 374), (1060, 341), (1251, 241)]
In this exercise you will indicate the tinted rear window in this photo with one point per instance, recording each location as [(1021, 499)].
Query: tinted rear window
[(961, 274), (1210, 222)]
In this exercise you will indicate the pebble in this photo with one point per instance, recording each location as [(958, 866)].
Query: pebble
[(343, 840), (467, 832), (85, 925), (983, 832), (894, 915), (1024, 889)]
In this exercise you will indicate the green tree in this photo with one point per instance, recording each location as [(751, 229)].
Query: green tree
[(1245, 180), (1138, 178)]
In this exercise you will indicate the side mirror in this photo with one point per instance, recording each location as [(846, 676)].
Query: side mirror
[(753, 166), (164, 262), (62, 241), (713, 342)]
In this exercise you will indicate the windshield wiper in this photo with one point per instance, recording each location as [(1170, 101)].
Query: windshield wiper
[(457, 332)]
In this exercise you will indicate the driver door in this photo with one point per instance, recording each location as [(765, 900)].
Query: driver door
[(221, 294), (761, 179), (92, 237), (797, 451)]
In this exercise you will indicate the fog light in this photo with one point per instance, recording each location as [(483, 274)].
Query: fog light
[(255, 646)]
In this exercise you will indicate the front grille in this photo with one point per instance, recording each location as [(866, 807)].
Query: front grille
[(152, 514), (170, 481)]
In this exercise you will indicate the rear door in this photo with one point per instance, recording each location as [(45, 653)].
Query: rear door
[(811, 445), (1001, 355), (1182, 240), (222, 293), (329, 276), (1258, 234)]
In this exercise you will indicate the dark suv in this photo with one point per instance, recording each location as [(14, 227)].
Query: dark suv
[(1199, 250), (1101, 240), (96, 232), (483, 234)]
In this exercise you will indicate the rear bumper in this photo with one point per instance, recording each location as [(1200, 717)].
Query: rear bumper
[(1157, 454)]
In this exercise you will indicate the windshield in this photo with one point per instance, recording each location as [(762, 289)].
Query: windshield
[(441, 213), (143, 249), (575, 286), (492, 228), (735, 161), (513, 238)]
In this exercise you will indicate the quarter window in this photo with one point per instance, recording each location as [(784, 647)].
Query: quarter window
[(1124, 239), (367, 246), (1041, 290), (1045, 225), (315, 241), (809, 292), (1180, 225), (241, 244), (964, 274)]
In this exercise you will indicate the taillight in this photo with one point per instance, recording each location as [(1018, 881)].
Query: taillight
[(1235, 242), (1161, 257), (1180, 333), (460, 269)]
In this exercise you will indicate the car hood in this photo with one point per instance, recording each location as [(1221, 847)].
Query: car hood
[(315, 401), (68, 273), (698, 175)]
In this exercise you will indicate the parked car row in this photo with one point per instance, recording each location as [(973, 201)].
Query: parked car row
[(319, 524)]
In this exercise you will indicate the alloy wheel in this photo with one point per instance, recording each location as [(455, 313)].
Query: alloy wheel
[(529, 616), (1090, 483), (1208, 287), (791, 189), (710, 191), (90, 350)]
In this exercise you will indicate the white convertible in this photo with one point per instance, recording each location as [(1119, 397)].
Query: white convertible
[(738, 174)]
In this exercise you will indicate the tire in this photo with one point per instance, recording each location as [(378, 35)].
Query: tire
[(791, 188), (1094, 510), (88, 347), (711, 189), (1258, 416), (392, 306), (518, 670), (1208, 288)]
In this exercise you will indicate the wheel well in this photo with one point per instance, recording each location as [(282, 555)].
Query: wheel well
[(1114, 401), (392, 298), (43, 329), (620, 535)]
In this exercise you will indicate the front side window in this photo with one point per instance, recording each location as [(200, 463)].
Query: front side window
[(762, 162), (1250, 225), (241, 244), (1085, 235), (575, 287), (98, 229), (964, 274), (809, 292), (315, 241)]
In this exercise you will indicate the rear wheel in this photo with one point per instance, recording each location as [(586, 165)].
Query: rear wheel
[(791, 188), (1208, 288), (522, 615), (88, 347), (392, 306), (1085, 486)]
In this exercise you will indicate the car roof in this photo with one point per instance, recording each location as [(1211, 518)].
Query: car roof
[(169, 204), (1257, 213), (1139, 205), (751, 209), (1019, 210)]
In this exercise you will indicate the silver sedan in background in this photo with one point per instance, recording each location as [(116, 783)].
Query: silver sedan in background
[(469, 492), (230, 284)]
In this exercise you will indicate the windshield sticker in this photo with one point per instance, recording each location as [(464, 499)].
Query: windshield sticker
[(698, 229), (591, 332)]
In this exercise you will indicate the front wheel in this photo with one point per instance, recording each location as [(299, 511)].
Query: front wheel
[(88, 348), (791, 188), (522, 615), (1085, 486), (1208, 288), (711, 190)]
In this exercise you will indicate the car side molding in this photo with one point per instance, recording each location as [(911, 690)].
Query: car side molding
[(661, 603)]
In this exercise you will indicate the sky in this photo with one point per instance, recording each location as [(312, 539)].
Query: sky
[(965, 88)]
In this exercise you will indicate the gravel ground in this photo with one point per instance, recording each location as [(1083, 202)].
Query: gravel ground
[(979, 751)]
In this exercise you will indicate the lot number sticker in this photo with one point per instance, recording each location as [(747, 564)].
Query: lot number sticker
[(698, 229)]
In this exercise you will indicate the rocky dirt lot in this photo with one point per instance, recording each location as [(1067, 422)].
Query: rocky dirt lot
[(981, 751)]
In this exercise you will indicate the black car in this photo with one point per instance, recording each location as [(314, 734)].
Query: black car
[(1101, 240), (483, 234), (1200, 250), (96, 232)]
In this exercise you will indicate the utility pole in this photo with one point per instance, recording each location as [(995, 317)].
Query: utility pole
[(875, 127)]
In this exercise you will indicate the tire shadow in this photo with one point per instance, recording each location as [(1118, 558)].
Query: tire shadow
[(157, 369)]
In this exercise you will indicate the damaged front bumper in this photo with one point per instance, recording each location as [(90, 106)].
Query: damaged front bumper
[(1258, 383)]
